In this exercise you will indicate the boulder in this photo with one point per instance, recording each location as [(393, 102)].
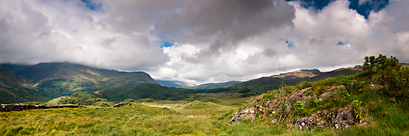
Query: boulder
[(345, 118), (248, 113)]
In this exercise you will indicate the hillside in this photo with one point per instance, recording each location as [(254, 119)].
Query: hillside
[(13, 67), (264, 84), (14, 89), (142, 91), (59, 79), (214, 85), (366, 103), (175, 83), (373, 102)]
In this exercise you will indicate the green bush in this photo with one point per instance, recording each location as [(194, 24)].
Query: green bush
[(303, 85), (298, 107), (388, 72)]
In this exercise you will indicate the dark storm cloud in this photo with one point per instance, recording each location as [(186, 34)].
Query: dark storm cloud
[(225, 22), (128, 16)]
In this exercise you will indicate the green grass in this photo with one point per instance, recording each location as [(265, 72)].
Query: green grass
[(200, 118), (208, 114)]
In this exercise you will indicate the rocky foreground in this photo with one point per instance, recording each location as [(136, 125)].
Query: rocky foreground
[(263, 107)]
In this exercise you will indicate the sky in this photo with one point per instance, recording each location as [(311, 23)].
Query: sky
[(202, 41)]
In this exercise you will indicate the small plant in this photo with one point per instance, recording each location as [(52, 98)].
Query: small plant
[(313, 103), (358, 110), (341, 87), (318, 129), (283, 109), (299, 107)]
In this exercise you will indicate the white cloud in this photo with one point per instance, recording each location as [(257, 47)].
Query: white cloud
[(214, 40)]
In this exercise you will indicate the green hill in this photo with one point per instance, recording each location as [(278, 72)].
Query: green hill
[(141, 91), (265, 84), (14, 89), (59, 79), (13, 67)]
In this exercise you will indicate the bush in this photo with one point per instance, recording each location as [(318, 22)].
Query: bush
[(303, 85), (299, 107), (388, 72)]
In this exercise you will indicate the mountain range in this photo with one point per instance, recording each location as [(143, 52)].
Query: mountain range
[(45, 81), (60, 79), (263, 84)]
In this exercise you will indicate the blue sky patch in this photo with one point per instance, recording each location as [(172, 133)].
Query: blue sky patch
[(341, 43), (166, 44), (345, 45), (92, 6), (289, 44), (364, 9)]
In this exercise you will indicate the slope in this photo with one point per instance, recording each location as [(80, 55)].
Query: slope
[(59, 79), (264, 84), (14, 89)]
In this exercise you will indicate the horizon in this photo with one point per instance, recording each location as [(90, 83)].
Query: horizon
[(204, 41), (197, 84)]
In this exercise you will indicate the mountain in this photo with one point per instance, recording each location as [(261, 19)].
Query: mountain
[(175, 83), (59, 79), (141, 91), (13, 67), (15, 89), (264, 84), (214, 85)]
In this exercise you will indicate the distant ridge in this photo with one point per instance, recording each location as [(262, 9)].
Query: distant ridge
[(215, 85), (264, 84), (175, 83), (64, 78)]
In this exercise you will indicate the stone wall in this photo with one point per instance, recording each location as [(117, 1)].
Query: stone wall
[(20, 107)]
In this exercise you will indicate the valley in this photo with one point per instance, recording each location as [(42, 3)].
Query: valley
[(347, 101)]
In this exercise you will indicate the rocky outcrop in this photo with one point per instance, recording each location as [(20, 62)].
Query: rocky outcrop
[(248, 113), (335, 119), (20, 107)]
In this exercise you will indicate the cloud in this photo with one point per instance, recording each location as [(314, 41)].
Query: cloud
[(224, 23), (49, 31), (206, 40)]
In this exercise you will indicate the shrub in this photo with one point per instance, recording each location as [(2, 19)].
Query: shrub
[(299, 107), (388, 72), (358, 110), (303, 85)]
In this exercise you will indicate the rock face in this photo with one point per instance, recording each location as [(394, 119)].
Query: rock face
[(20, 107), (345, 118), (248, 113), (335, 119)]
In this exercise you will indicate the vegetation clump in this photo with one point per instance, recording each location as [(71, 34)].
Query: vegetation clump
[(389, 73)]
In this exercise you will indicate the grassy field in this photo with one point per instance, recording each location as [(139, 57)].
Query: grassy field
[(176, 118), (132, 119)]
